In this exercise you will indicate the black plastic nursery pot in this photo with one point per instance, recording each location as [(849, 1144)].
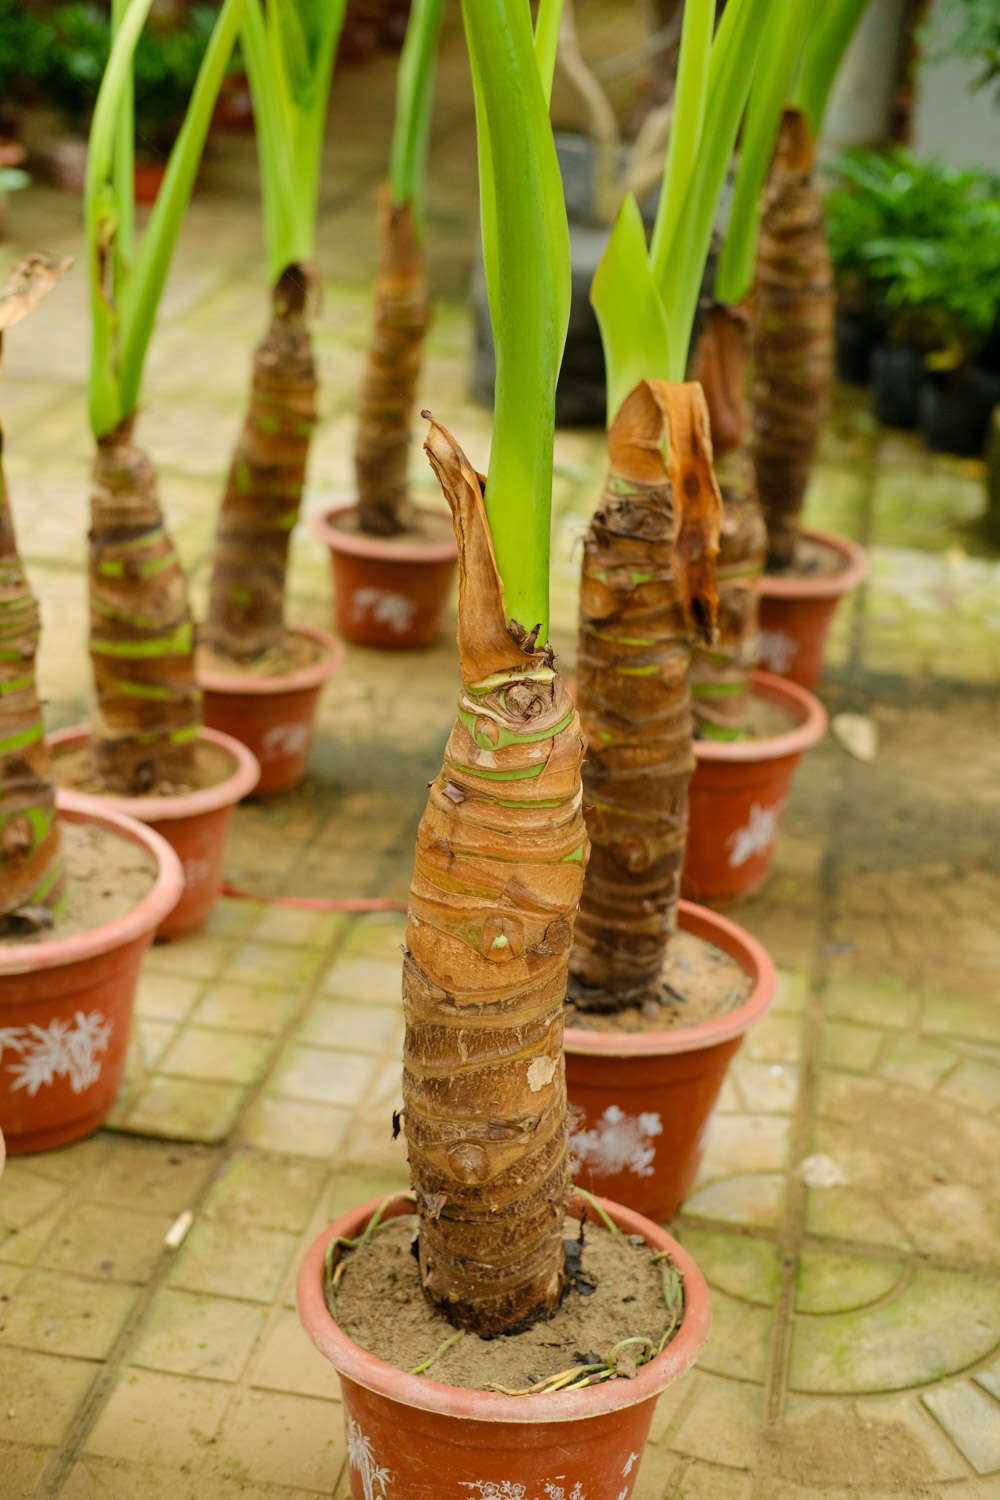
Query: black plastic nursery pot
[(955, 409), (897, 372), (857, 337)]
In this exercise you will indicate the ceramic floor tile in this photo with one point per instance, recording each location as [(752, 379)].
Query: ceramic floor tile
[(249, 1265), (239, 1007), (217, 1056), (163, 1178), (188, 1333), (113, 1242), (365, 981), (296, 1128), (295, 927), (159, 1419), (56, 1313), (301, 1444), (287, 1361), (185, 1109), (22, 1467), (354, 1028), (43, 1391), (254, 1190), (321, 1076), (971, 1419)]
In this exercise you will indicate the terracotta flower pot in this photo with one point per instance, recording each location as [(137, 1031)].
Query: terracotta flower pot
[(193, 823), (410, 1438), (387, 592), (275, 717), (644, 1098), (737, 795), (66, 1006), (796, 613)]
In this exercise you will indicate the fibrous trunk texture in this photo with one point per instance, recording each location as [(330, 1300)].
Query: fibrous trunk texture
[(499, 865), (32, 879), (648, 587), (148, 711), (260, 507), (32, 875), (792, 337), (720, 673), (388, 396)]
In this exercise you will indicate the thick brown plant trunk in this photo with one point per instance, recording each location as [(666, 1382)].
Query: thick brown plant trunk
[(792, 337), (32, 879), (648, 587), (260, 507), (499, 865), (388, 395), (148, 710), (720, 672), (32, 876)]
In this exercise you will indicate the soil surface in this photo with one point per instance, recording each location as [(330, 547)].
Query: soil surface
[(380, 1304), (295, 652), (698, 983), (424, 526), (107, 876), (73, 766), (812, 560)]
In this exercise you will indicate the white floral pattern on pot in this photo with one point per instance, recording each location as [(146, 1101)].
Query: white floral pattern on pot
[(617, 1143), (757, 834), (385, 608), (374, 1479), (776, 651), (63, 1049), (284, 739)]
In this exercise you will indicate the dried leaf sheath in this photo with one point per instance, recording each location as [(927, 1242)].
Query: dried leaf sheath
[(792, 337), (388, 395), (148, 710), (499, 866), (720, 672), (264, 489), (647, 586)]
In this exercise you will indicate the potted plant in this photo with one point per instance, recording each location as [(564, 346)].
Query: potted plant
[(806, 572), (644, 1063), (751, 728), (599, 165), (393, 564), (145, 751), (500, 857), (913, 245), (69, 948), (261, 677), (67, 62)]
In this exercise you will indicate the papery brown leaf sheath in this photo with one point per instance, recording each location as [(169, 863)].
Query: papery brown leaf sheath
[(148, 710), (499, 865), (260, 507), (793, 310), (647, 588), (388, 395), (720, 672)]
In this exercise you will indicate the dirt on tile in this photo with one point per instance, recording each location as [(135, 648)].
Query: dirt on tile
[(379, 1302), (843, 1449)]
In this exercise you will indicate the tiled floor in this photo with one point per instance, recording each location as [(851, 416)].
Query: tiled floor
[(848, 1211)]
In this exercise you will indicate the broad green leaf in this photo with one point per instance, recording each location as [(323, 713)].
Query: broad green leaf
[(414, 100), (631, 316)]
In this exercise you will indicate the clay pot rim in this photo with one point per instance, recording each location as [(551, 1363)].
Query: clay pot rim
[(384, 549), (242, 780), (373, 1374), (734, 940), (301, 679), (788, 695), (158, 902), (832, 585)]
